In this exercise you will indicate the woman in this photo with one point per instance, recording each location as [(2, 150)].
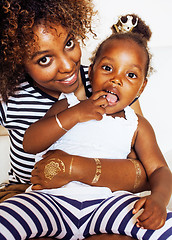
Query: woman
[(39, 46)]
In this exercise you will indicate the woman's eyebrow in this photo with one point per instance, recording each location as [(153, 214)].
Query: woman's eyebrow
[(68, 37), (38, 53)]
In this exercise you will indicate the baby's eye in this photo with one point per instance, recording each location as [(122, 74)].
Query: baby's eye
[(70, 43), (107, 68), (44, 61), (131, 75)]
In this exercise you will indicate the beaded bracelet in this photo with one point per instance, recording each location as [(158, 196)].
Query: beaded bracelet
[(59, 123)]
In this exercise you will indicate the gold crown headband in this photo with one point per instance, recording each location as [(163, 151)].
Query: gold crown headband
[(127, 26)]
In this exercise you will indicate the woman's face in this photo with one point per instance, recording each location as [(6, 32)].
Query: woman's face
[(55, 62), (120, 72)]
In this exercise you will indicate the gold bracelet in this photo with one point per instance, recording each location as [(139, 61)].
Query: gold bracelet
[(138, 172), (53, 168), (70, 168), (59, 123), (98, 170)]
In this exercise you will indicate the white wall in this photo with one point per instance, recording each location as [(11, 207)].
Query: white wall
[(156, 13), (156, 100)]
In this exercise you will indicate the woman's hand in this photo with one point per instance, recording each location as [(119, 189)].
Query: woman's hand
[(52, 171)]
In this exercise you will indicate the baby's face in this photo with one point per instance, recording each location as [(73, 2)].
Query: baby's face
[(120, 72)]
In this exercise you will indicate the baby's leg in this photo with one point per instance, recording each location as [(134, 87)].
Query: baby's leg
[(114, 215)]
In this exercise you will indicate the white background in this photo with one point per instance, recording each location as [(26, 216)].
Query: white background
[(157, 13)]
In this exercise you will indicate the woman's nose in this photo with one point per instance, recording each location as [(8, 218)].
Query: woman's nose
[(65, 64)]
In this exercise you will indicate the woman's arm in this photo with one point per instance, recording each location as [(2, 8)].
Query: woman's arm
[(116, 174)]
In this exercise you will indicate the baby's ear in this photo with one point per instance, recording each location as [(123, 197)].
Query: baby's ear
[(143, 86)]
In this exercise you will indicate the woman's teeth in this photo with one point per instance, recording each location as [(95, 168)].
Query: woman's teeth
[(70, 78)]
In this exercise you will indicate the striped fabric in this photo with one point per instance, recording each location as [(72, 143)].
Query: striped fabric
[(37, 214), (27, 106)]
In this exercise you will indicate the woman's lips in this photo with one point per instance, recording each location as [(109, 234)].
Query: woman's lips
[(70, 80)]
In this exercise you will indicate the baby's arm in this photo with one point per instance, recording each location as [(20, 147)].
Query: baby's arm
[(159, 175), (43, 133)]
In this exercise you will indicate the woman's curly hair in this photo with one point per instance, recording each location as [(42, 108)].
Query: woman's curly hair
[(17, 19)]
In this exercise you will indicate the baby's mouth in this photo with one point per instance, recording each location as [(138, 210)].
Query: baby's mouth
[(112, 98)]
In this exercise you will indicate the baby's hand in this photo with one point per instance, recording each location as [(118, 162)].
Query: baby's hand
[(92, 108), (154, 214)]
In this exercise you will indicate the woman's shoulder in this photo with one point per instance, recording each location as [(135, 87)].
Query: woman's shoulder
[(26, 102), (26, 91)]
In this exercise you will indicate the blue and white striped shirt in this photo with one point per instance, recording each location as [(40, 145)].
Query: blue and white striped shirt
[(25, 107)]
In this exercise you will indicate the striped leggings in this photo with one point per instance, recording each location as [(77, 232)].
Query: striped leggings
[(37, 214)]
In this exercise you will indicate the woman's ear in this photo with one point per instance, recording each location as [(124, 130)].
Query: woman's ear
[(142, 87)]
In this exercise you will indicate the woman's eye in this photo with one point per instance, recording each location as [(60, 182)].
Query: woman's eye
[(107, 68), (131, 75), (70, 44), (44, 61)]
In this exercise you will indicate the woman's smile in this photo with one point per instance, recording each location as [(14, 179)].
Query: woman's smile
[(69, 80)]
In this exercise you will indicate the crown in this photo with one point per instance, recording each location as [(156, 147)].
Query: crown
[(125, 24)]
